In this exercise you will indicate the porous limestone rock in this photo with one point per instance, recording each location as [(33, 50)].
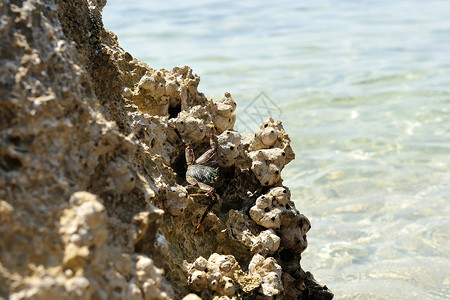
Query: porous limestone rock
[(82, 226), (294, 227), (92, 197), (97, 4), (192, 129), (162, 245), (241, 230), (215, 274), (267, 165), (269, 208), (275, 210), (191, 296), (271, 134), (270, 273), (150, 133), (159, 91), (228, 148), (222, 113), (266, 241), (270, 150), (177, 200), (148, 277), (122, 178)]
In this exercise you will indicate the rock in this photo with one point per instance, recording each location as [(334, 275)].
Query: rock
[(192, 129), (267, 165), (222, 113), (93, 200), (270, 150), (191, 297), (270, 273), (275, 210), (177, 200), (269, 208), (228, 148), (215, 274), (266, 241), (241, 230), (159, 91), (272, 135)]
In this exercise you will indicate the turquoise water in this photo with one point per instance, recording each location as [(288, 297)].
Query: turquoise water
[(363, 89)]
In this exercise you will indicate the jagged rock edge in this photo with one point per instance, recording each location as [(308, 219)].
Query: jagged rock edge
[(94, 151)]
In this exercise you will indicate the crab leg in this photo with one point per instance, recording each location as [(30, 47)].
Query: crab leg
[(178, 134), (189, 153), (211, 194)]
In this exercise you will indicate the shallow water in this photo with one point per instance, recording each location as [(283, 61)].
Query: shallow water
[(363, 89)]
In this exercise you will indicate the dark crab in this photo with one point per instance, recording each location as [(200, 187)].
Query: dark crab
[(200, 172)]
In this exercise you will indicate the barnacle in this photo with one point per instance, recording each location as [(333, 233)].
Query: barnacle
[(222, 113), (275, 210), (270, 273), (267, 165), (228, 147), (241, 230), (215, 274)]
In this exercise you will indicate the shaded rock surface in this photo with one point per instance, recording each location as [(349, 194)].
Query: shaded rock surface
[(93, 201)]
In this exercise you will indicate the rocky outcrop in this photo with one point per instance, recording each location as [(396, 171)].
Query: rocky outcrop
[(93, 201)]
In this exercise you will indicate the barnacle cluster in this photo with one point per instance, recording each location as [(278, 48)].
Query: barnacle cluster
[(270, 273), (270, 151), (220, 276), (215, 274), (275, 210), (222, 113), (228, 148), (241, 230)]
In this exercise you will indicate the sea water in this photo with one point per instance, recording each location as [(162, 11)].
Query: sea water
[(363, 89)]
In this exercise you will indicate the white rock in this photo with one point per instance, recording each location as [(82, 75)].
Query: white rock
[(228, 146)]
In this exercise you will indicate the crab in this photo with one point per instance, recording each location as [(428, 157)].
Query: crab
[(200, 172)]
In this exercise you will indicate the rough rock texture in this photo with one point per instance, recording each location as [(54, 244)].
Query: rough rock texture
[(93, 201)]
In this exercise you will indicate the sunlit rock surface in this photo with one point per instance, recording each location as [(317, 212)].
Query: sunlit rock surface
[(93, 202)]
